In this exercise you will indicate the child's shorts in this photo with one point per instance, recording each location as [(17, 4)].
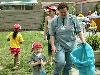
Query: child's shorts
[(15, 51)]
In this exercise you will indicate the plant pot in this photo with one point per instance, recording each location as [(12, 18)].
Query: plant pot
[(97, 58)]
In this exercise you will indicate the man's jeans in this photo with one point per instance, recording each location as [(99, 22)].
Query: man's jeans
[(62, 62)]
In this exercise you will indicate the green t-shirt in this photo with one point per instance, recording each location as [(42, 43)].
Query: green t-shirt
[(37, 57)]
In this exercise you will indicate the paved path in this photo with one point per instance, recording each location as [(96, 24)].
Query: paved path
[(76, 72)]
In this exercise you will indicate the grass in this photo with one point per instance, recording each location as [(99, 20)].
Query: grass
[(6, 59)]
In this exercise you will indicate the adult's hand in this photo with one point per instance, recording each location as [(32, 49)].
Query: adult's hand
[(54, 49)]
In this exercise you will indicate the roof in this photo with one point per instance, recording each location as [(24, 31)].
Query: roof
[(21, 2)]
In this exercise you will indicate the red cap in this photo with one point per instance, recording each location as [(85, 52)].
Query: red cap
[(17, 26), (36, 45), (52, 7)]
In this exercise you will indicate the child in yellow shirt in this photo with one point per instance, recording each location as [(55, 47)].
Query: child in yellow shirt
[(15, 39), (80, 15), (93, 26)]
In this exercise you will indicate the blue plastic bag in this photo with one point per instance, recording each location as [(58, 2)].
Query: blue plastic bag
[(43, 72), (83, 58)]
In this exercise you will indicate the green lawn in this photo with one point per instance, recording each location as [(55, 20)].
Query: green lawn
[(6, 59)]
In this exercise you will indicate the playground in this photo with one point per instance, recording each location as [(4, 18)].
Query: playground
[(31, 15)]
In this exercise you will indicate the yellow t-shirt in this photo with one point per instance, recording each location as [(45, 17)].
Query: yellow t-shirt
[(80, 15), (15, 43), (93, 24)]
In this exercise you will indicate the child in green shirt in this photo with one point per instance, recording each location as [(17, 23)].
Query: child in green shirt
[(37, 59)]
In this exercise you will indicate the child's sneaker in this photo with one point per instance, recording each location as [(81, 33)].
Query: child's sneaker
[(15, 67)]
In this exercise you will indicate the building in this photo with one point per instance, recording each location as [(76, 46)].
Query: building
[(17, 4)]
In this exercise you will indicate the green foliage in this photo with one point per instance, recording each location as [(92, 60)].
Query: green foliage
[(94, 41), (72, 9), (97, 7), (6, 59), (42, 26)]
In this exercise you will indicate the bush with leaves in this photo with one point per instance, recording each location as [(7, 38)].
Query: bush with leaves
[(94, 41)]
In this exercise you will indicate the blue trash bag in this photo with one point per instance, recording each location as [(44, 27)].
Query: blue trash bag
[(83, 58), (43, 72)]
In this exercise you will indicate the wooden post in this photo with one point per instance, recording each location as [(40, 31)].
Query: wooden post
[(24, 7)]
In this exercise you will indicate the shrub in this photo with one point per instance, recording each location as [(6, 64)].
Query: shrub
[(94, 41)]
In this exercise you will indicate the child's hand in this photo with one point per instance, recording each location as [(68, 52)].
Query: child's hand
[(39, 62), (35, 63), (42, 63)]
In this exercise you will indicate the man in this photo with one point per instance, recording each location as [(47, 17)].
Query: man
[(62, 36)]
